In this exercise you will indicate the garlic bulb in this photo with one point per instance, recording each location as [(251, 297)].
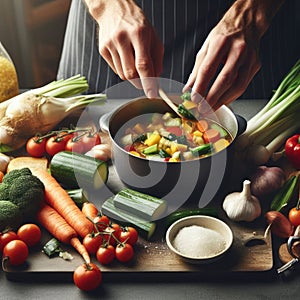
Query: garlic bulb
[(242, 206)]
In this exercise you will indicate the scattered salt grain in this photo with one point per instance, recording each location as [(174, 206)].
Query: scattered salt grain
[(198, 241)]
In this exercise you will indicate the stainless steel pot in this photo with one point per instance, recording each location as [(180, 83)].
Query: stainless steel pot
[(196, 180)]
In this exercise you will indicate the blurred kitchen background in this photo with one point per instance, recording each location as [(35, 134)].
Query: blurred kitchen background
[(32, 32)]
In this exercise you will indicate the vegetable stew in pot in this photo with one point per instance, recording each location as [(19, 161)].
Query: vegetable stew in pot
[(166, 137)]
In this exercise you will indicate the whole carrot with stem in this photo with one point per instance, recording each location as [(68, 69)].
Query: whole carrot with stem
[(53, 222), (59, 199)]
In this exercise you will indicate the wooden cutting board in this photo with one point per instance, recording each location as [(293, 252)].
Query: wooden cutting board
[(154, 256)]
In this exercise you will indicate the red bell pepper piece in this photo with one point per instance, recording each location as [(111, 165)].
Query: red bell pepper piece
[(292, 150)]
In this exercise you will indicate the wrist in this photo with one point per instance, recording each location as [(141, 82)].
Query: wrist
[(253, 14)]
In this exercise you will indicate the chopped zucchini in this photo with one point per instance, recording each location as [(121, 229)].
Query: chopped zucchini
[(71, 169), (145, 206), (153, 149), (185, 112), (202, 149), (162, 153), (186, 96), (144, 227)]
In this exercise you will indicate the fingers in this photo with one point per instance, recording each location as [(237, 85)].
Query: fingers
[(137, 58), (227, 68)]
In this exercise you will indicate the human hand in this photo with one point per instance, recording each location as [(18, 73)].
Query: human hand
[(130, 45), (229, 58)]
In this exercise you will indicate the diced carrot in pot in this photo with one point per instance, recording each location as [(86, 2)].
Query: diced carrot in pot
[(211, 135)]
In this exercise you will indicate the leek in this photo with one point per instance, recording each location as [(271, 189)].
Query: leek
[(40, 110)]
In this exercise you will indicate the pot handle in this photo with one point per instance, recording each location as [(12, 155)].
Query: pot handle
[(242, 124), (104, 122)]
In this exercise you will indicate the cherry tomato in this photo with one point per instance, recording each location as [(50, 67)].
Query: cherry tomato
[(90, 140), (294, 216), (87, 277), (106, 254), (128, 235), (92, 242), (124, 252), (102, 222), (74, 145), (55, 145), (30, 234), (6, 237), (36, 147), (16, 251), (112, 233)]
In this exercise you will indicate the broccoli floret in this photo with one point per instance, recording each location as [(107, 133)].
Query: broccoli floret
[(9, 177), (10, 215), (4, 191), (23, 189)]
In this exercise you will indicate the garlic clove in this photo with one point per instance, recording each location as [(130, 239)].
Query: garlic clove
[(242, 206)]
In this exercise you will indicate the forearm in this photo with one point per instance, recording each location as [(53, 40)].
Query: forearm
[(254, 14)]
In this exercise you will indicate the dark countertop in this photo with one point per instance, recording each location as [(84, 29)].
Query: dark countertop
[(262, 285)]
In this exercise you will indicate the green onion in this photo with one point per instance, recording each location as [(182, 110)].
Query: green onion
[(283, 196), (275, 122)]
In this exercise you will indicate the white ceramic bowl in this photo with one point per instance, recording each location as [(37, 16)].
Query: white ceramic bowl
[(220, 230)]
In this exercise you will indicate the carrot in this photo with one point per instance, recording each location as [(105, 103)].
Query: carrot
[(58, 198), (52, 221), (202, 125), (211, 135), (90, 210)]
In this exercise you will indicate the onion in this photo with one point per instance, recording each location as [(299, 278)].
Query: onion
[(279, 224), (266, 180)]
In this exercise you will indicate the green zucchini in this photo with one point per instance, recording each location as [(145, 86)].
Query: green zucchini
[(179, 214), (185, 112), (72, 169), (78, 196), (153, 149), (145, 206), (202, 149), (146, 228)]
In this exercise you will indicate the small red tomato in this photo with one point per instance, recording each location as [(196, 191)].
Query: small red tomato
[(106, 254), (6, 237), (128, 235), (90, 140), (112, 233), (16, 251), (92, 242), (30, 234), (87, 277), (102, 222), (294, 216), (124, 252), (54, 145), (36, 147), (74, 145)]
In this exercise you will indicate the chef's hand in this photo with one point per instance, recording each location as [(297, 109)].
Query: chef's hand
[(128, 42), (229, 58)]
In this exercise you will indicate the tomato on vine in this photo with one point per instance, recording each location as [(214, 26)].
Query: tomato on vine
[(128, 234), (55, 144), (36, 146), (124, 252), (90, 140), (105, 254), (87, 277), (92, 242), (74, 145)]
